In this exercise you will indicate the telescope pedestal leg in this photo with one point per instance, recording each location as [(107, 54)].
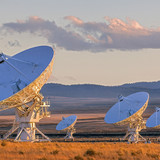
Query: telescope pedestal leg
[(27, 133), (26, 117), (133, 135), (70, 133)]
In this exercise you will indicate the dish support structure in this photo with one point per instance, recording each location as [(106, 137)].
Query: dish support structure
[(70, 132), (135, 126), (26, 117)]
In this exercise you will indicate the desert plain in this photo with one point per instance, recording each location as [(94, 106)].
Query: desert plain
[(93, 140)]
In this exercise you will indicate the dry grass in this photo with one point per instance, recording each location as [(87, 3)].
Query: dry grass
[(78, 151)]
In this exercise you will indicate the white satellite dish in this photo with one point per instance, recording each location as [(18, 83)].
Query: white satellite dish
[(67, 124), (128, 111), (22, 77), (154, 119)]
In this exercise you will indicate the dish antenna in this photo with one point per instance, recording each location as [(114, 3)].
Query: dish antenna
[(67, 124), (22, 77), (128, 111), (154, 119)]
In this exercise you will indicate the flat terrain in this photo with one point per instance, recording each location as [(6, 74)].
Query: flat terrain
[(86, 123), (90, 113)]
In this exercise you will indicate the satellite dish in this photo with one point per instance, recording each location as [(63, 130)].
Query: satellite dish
[(154, 119), (128, 111), (23, 76), (67, 124)]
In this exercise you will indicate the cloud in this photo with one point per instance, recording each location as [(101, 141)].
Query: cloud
[(74, 20), (78, 35)]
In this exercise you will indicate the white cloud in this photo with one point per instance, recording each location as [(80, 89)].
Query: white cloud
[(113, 33), (74, 20)]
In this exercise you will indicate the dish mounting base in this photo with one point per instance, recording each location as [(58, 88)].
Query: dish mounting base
[(70, 132), (26, 117), (135, 126)]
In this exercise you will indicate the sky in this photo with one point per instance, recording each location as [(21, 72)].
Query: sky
[(95, 42)]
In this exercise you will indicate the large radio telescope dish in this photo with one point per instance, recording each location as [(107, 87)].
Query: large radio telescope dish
[(67, 124), (128, 111), (154, 119), (23, 76)]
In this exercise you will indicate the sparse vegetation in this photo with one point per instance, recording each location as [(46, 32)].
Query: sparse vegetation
[(90, 152), (3, 143), (121, 158), (78, 151), (90, 158), (135, 153), (78, 157), (42, 158), (21, 152), (152, 155), (54, 152)]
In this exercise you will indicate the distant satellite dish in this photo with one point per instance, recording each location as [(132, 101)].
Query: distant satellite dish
[(128, 111), (22, 77), (67, 124), (154, 119)]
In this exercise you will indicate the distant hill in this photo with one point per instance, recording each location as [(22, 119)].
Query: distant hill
[(91, 90), (89, 96), (150, 85)]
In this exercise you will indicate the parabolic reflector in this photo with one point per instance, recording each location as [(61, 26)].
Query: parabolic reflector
[(66, 123), (23, 75), (127, 108), (154, 119)]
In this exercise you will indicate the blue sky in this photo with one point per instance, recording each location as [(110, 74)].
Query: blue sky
[(100, 42)]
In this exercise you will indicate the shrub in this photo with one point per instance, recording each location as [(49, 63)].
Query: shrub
[(90, 152), (44, 158), (134, 153), (54, 152), (122, 152), (121, 158), (89, 158), (78, 157), (21, 152), (3, 143)]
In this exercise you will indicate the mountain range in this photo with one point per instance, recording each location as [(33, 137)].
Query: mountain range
[(92, 90), (73, 97)]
